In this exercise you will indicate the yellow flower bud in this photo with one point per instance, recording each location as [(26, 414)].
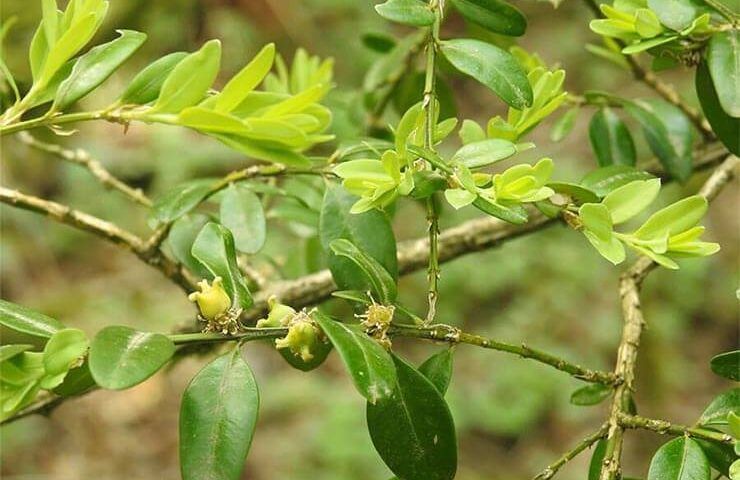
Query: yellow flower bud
[(212, 300), (279, 315), (302, 337)]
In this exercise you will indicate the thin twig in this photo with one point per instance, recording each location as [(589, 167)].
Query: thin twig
[(634, 323), (103, 229), (452, 335), (553, 468), (664, 427), (83, 158)]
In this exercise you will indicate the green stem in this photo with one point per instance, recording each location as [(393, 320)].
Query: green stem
[(449, 334), (553, 468), (53, 120), (246, 334), (428, 104), (667, 428)]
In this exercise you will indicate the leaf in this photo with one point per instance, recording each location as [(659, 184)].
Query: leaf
[(611, 140), (413, 430), (218, 415), (603, 180), (597, 225), (718, 410), (246, 80), (95, 66), (146, 85), (370, 366), (27, 321), (515, 214), (494, 15), (486, 152), (675, 14), (673, 219), (383, 285), (720, 456), (68, 45), (77, 381), (628, 200), (121, 357), (668, 133), (493, 67), (370, 231), (597, 459), (214, 248), (10, 351), (63, 350), (210, 121), (564, 125), (723, 60), (438, 369), (407, 12), (727, 365), (590, 395), (679, 459), (576, 192), (189, 81), (724, 126), (242, 213), (181, 199), (181, 238)]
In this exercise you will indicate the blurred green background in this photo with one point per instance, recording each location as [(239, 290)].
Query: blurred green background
[(550, 289)]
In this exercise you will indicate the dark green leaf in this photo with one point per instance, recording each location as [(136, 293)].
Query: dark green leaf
[(438, 369), (603, 180), (181, 199), (218, 416), (668, 133), (413, 430), (720, 456), (679, 459), (611, 140), (242, 213), (383, 285), (723, 59), (408, 12), (494, 15), (370, 231), (493, 67), (95, 66), (78, 381), (590, 395), (27, 321), (727, 365), (121, 357), (726, 128), (597, 459), (378, 42), (369, 364), (717, 411), (214, 248), (145, 86), (319, 355)]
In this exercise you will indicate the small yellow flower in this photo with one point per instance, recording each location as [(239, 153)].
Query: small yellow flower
[(212, 300), (302, 337), (279, 315)]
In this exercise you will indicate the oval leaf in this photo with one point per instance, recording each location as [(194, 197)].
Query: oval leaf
[(146, 85), (121, 357), (726, 128), (369, 364), (493, 67), (95, 66), (590, 395), (603, 180), (384, 287), (214, 248), (722, 405), (727, 365), (413, 430), (27, 321), (218, 415), (723, 59), (679, 459), (486, 152), (494, 15), (438, 369), (242, 213), (181, 199), (407, 12), (611, 140)]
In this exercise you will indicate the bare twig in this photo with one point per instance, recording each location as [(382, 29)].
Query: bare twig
[(103, 229), (634, 322), (83, 158), (664, 427), (553, 468)]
